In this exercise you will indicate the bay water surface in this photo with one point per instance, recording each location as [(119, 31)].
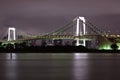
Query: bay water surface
[(59, 66)]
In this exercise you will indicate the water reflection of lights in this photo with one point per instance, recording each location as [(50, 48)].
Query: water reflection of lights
[(80, 55), (14, 56), (11, 66), (80, 66), (11, 56)]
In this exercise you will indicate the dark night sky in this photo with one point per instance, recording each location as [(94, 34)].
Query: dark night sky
[(38, 16)]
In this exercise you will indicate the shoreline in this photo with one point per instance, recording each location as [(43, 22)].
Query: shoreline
[(55, 49)]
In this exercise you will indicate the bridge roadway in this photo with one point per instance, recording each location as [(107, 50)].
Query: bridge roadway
[(87, 37)]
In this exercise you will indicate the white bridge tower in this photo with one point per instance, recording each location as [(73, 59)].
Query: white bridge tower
[(11, 34), (80, 30)]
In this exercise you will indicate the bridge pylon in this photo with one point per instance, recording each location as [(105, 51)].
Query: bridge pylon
[(80, 31), (11, 34)]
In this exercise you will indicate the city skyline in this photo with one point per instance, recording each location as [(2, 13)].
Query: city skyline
[(44, 16)]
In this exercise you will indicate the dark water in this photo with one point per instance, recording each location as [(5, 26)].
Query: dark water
[(60, 66)]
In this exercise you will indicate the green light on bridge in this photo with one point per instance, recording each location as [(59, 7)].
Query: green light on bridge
[(118, 44), (105, 47), (108, 47)]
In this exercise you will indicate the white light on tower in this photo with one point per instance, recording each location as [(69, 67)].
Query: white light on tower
[(84, 27), (77, 27)]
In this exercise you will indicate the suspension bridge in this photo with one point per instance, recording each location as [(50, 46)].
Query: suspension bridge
[(80, 30)]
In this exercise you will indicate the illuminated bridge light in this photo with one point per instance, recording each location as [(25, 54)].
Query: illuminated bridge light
[(105, 47), (118, 35), (106, 35), (102, 35), (112, 35)]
